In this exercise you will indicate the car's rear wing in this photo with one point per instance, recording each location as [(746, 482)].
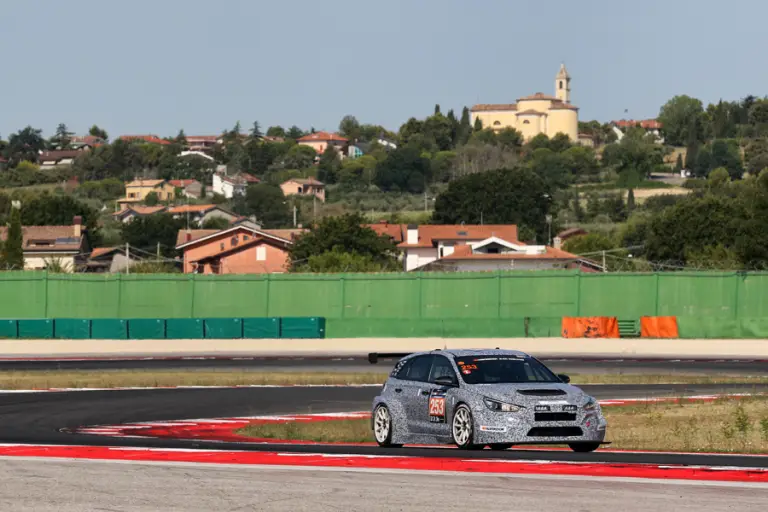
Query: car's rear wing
[(374, 357)]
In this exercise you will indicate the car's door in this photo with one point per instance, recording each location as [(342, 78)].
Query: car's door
[(414, 392), (441, 399)]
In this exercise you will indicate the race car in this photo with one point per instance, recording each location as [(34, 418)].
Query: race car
[(478, 398)]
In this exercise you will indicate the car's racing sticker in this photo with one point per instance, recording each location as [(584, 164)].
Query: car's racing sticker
[(486, 428), (437, 406)]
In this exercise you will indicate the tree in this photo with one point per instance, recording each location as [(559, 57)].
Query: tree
[(62, 138), (256, 131), (275, 131), (682, 120), (719, 153), (480, 157), (294, 132), (95, 131), (505, 196), (181, 139), (267, 203), (215, 223), (349, 127), (59, 210), (300, 157), (560, 142), (358, 171), (341, 261), (631, 200), (465, 128), (12, 254), (509, 138), (478, 124), (345, 234), (151, 199), (719, 178), (146, 232), (329, 165), (25, 144), (589, 244), (551, 166), (582, 162), (635, 154), (756, 155), (679, 163), (437, 109), (404, 169)]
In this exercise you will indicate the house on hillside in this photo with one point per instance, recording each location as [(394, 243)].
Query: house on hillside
[(199, 213), (136, 191), (189, 188), (319, 141), (651, 126), (304, 187), (203, 143), (46, 246), (52, 159), (231, 186), (129, 213), (472, 248), (145, 139), (236, 250), (108, 260)]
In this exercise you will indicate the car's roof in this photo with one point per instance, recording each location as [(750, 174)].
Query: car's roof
[(477, 352)]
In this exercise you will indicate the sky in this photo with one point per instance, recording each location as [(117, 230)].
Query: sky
[(157, 66)]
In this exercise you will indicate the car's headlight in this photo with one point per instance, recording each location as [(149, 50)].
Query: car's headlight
[(497, 406), (591, 405)]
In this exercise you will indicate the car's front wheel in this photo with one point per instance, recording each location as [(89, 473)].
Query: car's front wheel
[(584, 447), (463, 428), (382, 426)]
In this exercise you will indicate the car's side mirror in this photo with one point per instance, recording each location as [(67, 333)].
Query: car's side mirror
[(447, 381), (563, 377)]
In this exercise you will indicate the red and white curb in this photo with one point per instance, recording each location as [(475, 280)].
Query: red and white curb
[(385, 462)]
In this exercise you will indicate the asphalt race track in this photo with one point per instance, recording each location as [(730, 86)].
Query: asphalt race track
[(39, 417), (354, 365)]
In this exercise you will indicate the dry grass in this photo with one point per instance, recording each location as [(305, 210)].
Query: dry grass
[(726, 425), (162, 378), (333, 431), (138, 378), (639, 378)]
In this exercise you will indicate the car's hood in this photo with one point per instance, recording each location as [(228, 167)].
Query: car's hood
[(531, 393)]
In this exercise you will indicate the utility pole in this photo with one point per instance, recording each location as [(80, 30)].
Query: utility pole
[(158, 252), (128, 258), (425, 201), (294, 216), (605, 269)]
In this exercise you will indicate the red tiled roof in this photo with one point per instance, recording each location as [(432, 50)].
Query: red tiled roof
[(322, 137), (198, 234), (430, 234), (191, 208), (144, 183), (306, 181), (493, 107), (250, 178), (152, 139), (563, 106), (258, 240), (101, 251), (539, 96), (464, 252), (181, 183), (60, 238), (648, 124)]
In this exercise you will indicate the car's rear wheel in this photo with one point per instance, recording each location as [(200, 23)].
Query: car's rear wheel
[(382, 426), (463, 428), (584, 447), (500, 446)]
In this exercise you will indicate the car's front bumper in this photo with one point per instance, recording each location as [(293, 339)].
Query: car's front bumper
[(522, 428)]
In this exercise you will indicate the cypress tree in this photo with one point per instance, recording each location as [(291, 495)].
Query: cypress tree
[(631, 200), (13, 251), (478, 125)]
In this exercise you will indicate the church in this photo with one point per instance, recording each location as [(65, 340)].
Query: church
[(535, 114)]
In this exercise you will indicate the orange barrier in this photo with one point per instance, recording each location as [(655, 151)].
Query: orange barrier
[(590, 327), (659, 327)]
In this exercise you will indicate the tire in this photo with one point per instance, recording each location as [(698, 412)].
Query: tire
[(500, 446), (463, 428), (584, 447), (382, 427)]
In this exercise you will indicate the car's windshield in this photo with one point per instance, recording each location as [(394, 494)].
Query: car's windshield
[(503, 370)]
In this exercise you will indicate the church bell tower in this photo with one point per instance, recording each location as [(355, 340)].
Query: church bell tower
[(563, 85)]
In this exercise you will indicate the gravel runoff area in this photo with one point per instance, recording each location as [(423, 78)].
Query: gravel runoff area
[(727, 425)]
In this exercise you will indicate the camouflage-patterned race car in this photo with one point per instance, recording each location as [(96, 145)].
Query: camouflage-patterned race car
[(478, 398)]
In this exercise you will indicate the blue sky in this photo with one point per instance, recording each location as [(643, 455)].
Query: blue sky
[(155, 66)]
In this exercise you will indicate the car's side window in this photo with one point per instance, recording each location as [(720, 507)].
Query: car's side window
[(419, 369), (400, 371), (441, 367)]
